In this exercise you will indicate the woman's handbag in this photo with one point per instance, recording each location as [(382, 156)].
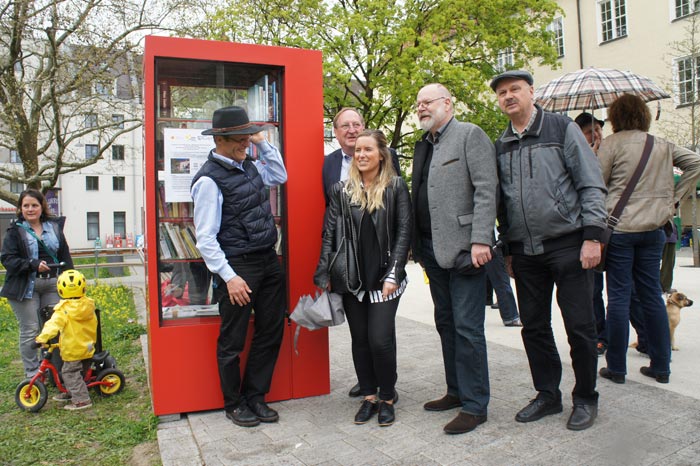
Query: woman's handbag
[(344, 265), (614, 217)]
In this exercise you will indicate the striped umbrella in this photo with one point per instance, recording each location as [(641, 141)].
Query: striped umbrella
[(592, 88)]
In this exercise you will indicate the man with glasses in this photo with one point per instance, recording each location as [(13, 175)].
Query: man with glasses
[(236, 236), (347, 125), (454, 202)]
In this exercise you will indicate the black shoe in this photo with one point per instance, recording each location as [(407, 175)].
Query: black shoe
[(243, 416), (396, 397), (263, 412), (366, 411), (537, 409), (386, 414), (606, 374), (661, 378), (443, 404), (582, 417), (354, 391), (463, 423), (494, 306)]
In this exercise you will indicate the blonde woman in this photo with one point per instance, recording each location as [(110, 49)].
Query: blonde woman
[(375, 207)]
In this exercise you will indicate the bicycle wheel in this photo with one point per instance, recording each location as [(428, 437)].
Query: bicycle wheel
[(32, 398), (114, 379)]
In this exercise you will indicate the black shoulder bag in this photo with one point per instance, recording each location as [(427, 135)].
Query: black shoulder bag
[(344, 265), (614, 217)]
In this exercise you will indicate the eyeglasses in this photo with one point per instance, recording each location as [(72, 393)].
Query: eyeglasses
[(347, 126), (238, 140), (425, 103)]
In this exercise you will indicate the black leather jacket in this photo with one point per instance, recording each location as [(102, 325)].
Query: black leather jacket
[(393, 224)]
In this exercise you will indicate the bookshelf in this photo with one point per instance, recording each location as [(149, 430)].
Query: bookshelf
[(185, 80)]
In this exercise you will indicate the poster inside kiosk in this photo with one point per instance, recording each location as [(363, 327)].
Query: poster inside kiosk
[(186, 286)]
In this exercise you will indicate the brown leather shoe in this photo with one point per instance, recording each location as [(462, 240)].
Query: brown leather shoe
[(443, 404), (463, 423)]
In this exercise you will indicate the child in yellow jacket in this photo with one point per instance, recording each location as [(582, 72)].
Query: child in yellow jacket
[(74, 317)]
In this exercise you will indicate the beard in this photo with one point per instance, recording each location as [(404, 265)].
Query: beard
[(435, 117)]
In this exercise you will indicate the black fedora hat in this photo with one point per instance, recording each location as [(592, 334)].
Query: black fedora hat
[(231, 120)]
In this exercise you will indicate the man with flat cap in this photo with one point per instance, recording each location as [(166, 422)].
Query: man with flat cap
[(236, 236), (551, 216)]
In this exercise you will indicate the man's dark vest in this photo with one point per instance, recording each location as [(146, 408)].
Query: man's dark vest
[(247, 224)]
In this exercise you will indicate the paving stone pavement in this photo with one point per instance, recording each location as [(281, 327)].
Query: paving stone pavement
[(638, 424)]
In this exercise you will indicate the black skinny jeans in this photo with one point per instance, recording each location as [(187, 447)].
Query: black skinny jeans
[(373, 332)]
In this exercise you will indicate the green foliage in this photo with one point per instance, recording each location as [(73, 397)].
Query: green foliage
[(378, 54), (105, 434)]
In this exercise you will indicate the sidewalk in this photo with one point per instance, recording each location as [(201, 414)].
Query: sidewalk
[(641, 422)]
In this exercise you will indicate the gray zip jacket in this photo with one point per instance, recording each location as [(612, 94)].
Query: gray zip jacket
[(551, 186)]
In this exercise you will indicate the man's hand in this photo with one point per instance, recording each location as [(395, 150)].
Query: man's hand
[(590, 254), (257, 138), (238, 291), (509, 266), (481, 254)]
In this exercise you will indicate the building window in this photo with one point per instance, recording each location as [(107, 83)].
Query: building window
[(120, 224), (14, 156), (557, 29), (118, 120), (93, 225), (91, 151), (117, 152), (505, 60), (686, 7), (92, 183), (688, 73), (118, 183), (613, 19), (91, 120), (102, 88), (16, 187)]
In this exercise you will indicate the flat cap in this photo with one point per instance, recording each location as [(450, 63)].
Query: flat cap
[(585, 119), (512, 74)]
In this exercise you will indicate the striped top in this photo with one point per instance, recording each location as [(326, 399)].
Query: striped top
[(375, 296)]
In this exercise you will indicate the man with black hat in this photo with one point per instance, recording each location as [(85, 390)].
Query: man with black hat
[(236, 236), (592, 129), (551, 216)]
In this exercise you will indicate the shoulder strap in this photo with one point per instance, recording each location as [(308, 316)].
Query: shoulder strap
[(614, 217), (40, 241)]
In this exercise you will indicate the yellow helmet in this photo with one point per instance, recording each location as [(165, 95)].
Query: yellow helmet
[(71, 284)]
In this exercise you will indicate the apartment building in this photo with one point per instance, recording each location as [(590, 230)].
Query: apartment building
[(106, 198), (641, 36)]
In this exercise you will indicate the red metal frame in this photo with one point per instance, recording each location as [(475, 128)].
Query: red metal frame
[(182, 354)]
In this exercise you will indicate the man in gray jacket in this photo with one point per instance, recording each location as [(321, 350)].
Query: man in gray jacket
[(454, 201), (551, 216)]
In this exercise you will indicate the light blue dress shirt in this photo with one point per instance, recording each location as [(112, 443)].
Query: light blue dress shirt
[(208, 201)]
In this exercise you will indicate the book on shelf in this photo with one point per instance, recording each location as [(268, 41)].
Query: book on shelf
[(180, 241), (263, 100)]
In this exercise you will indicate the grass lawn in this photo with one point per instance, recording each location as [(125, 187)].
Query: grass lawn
[(117, 430)]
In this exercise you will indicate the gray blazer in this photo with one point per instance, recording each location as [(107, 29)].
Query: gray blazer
[(462, 186)]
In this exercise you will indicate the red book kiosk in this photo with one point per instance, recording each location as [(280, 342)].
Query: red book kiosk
[(282, 88)]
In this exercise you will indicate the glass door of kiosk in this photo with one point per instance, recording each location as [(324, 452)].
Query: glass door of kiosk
[(281, 89)]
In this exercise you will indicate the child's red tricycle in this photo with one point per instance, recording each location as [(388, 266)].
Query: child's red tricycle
[(31, 394)]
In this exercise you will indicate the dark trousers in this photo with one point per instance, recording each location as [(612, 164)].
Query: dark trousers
[(500, 281), (535, 277), (459, 319), (668, 261), (373, 332), (633, 262), (599, 307), (264, 276)]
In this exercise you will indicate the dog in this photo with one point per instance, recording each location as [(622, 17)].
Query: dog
[(675, 301)]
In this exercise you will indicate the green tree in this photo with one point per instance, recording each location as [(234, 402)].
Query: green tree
[(378, 54), (68, 71)]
